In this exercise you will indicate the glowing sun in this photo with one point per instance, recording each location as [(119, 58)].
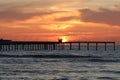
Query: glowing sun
[(64, 39)]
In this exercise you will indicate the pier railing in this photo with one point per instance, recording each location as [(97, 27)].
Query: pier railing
[(7, 45)]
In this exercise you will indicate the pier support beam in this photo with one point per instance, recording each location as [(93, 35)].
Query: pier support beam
[(70, 46), (0, 47), (88, 45), (23, 47), (114, 46), (63, 46), (105, 46), (54, 46), (3, 47), (9, 47), (96, 46), (12, 47), (79, 46), (45, 46)]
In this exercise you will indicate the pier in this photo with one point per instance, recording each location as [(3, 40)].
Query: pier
[(8, 45)]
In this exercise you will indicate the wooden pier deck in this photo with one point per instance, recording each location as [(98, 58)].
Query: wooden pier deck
[(8, 45)]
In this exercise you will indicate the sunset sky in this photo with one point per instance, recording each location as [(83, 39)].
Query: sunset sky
[(48, 20)]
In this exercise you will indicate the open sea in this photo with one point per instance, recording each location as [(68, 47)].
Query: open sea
[(100, 65)]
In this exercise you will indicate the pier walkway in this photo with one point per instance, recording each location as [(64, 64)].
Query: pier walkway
[(8, 45)]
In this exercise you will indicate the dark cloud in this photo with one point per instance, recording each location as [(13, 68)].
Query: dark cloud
[(106, 16), (117, 7), (14, 15), (67, 18)]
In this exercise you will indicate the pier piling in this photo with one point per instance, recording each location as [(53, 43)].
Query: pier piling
[(96, 46), (70, 46), (105, 46), (114, 46), (88, 45), (79, 46)]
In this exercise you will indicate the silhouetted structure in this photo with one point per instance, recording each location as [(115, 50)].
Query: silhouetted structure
[(60, 40), (8, 45)]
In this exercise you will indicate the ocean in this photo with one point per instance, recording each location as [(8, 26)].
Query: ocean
[(92, 65)]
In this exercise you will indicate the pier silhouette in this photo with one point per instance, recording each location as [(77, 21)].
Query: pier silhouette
[(9, 45)]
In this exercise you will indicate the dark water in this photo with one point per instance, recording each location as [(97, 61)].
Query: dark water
[(102, 65)]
